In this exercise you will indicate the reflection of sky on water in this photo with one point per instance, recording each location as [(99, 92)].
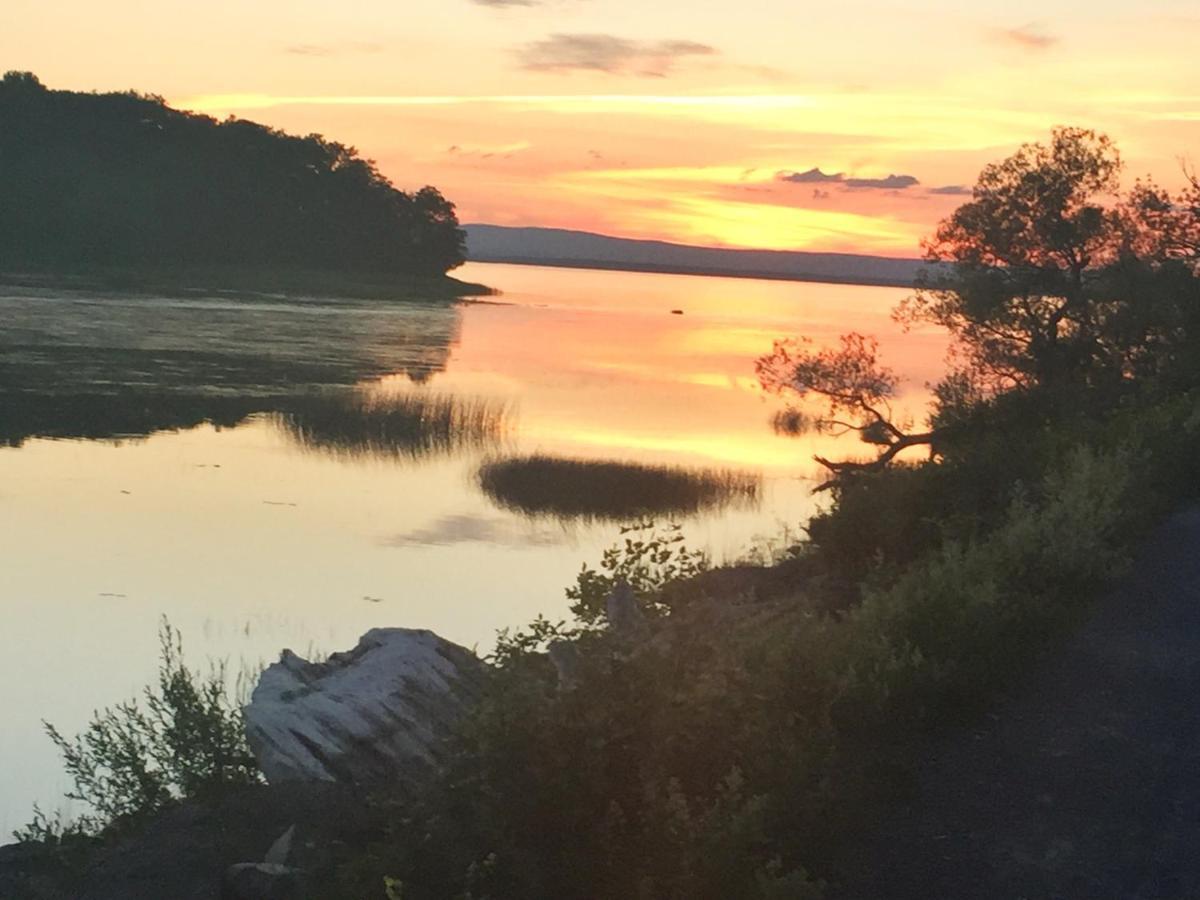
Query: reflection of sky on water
[(249, 542), (466, 529)]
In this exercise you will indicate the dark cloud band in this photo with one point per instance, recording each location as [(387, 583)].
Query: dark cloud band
[(816, 176), (608, 53)]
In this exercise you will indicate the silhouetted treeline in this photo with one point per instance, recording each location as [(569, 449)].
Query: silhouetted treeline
[(123, 179)]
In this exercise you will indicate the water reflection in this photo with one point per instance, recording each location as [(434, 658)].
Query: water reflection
[(394, 425), (451, 530), (612, 491), (222, 526), (124, 414), (89, 366)]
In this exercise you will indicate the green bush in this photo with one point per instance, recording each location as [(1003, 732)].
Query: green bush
[(184, 738)]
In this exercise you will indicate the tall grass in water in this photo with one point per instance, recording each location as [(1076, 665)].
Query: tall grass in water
[(614, 491), (410, 425)]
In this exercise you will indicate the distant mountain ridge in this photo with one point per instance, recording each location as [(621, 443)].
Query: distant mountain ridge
[(582, 249)]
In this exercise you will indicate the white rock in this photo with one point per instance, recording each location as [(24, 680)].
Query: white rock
[(379, 711)]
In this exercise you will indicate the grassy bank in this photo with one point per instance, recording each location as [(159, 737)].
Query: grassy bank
[(247, 281)]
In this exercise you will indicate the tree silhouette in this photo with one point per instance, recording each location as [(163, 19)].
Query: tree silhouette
[(123, 179), (1056, 286), (1027, 250)]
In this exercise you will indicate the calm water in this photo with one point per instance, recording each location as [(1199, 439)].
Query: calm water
[(276, 472)]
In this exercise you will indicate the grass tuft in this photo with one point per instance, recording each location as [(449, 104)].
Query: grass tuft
[(612, 491)]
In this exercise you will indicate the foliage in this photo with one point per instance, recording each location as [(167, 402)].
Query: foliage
[(1049, 282), (856, 390), (184, 739), (52, 830), (513, 645), (121, 179), (849, 378), (648, 559), (964, 612), (1025, 249)]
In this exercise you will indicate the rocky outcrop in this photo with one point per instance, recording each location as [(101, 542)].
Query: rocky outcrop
[(379, 711)]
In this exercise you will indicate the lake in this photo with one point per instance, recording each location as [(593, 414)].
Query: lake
[(275, 472)]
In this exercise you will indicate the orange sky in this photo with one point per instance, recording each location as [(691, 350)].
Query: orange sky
[(668, 119)]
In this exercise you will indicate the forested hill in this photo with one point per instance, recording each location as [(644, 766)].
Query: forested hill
[(122, 179), (559, 247)]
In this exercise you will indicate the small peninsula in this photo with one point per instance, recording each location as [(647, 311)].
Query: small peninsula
[(120, 191)]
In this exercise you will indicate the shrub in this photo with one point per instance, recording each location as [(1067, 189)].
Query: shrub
[(183, 739), (732, 749)]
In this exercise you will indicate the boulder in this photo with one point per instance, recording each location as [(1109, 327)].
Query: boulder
[(378, 712)]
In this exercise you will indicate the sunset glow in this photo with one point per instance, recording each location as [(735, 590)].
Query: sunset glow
[(777, 129)]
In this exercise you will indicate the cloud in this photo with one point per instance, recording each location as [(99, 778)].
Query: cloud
[(333, 49), (500, 151), (952, 190), (608, 53), (816, 176), (891, 183), (504, 3), (812, 176), (1028, 37)]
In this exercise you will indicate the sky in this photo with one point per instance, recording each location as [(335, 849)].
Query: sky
[(758, 123)]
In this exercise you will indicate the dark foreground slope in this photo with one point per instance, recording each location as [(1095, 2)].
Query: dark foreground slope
[(580, 249), (122, 179), (1085, 783)]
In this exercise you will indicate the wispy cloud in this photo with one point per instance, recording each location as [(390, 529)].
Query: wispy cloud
[(500, 151), (342, 48), (689, 103), (608, 53), (891, 183), (1030, 36), (816, 176), (952, 190)]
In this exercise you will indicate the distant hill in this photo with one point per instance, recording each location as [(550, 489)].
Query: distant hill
[(581, 249), (122, 179)]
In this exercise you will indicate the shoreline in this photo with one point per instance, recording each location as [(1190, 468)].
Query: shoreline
[(248, 281), (698, 271)]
